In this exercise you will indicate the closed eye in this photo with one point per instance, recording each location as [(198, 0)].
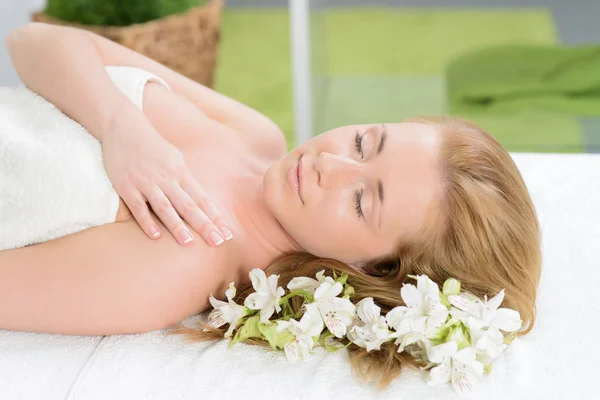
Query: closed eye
[(357, 206), (358, 143)]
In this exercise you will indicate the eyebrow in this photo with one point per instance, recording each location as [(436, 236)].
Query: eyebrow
[(383, 139), (379, 183)]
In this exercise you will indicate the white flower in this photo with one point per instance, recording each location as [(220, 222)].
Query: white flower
[(370, 330), (337, 312), (487, 312), (485, 320), (422, 315), (459, 367), (311, 324), (226, 312), (309, 284), (266, 298)]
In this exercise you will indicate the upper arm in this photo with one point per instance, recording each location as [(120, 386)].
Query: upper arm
[(109, 279)]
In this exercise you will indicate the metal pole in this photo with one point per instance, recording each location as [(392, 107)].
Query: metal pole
[(300, 40)]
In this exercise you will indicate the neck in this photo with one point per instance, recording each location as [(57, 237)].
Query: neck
[(262, 238)]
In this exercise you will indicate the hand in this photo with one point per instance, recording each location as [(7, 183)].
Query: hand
[(144, 167)]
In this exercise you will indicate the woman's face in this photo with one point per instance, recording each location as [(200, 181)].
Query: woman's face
[(361, 189)]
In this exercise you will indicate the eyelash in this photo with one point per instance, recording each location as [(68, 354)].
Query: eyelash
[(358, 208), (358, 143), (359, 193)]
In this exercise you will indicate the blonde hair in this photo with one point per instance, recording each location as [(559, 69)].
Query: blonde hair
[(485, 234)]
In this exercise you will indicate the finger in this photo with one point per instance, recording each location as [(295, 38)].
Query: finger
[(140, 211), (194, 216), (200, 197), (162, 207)]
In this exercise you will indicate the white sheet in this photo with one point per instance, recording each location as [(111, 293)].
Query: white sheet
[(560, 359)]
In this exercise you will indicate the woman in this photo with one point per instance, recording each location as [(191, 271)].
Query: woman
[(433, 196)]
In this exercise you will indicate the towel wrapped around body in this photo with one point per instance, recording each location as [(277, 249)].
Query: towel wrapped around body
[(52, 178)]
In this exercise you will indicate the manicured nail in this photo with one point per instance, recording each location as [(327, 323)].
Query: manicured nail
[(216, 238), (226, 233), (186, 237), (154, 231)]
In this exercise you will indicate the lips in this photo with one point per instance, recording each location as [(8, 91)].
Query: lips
[(294, 177)]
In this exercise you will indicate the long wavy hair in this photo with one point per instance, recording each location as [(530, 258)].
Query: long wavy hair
[(484, 233)]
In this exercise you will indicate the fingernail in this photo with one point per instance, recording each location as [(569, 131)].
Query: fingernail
[(154, 231), (216, 238), (226, 233), (186, 237)]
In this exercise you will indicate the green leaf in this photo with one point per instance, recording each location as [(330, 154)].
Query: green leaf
[(487, 368), (342, 279), (269, 331), (283, 338), (250, 328), (444, 300), (509, 338), (236, 338), (348, 291), (451, 286)]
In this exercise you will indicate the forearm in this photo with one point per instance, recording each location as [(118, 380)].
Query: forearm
[(74, 43), (65, 67)]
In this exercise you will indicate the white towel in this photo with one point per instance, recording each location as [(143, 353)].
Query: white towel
[(558, 360), (52, 179)]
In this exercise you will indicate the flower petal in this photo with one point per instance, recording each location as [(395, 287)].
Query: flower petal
[(257, 301), (427, 287), (303, 283), (266, 312), (411, 296), (215, 318), (506, 319), (367, 310), (258, 279), (395, 315), (463, 382), (327, 289), (292, 351), (495, 301), (216, 303), (439, 353), (465, 356), (272, 283), (312, 322), (230, 293), (440, 374)]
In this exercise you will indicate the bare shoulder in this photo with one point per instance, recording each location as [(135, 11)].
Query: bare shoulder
[(110, 279)]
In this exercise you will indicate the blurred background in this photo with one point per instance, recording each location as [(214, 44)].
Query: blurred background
[(528, 71)]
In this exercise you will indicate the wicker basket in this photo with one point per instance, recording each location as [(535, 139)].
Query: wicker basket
[(185, 42)]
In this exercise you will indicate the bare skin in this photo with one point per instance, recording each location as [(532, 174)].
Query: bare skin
[(113, 279)]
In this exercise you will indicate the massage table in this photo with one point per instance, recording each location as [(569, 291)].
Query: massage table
[(559, 359)]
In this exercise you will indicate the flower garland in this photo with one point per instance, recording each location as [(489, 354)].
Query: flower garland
[(454, 333)]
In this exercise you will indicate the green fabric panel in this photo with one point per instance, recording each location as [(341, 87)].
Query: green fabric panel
[(379, 41), (505, 78)]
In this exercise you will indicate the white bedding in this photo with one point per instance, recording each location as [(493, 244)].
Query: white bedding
[(560, 359)]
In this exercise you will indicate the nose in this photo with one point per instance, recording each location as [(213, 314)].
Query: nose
[(335, 170)]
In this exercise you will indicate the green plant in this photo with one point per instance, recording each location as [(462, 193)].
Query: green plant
[(116, 12)]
